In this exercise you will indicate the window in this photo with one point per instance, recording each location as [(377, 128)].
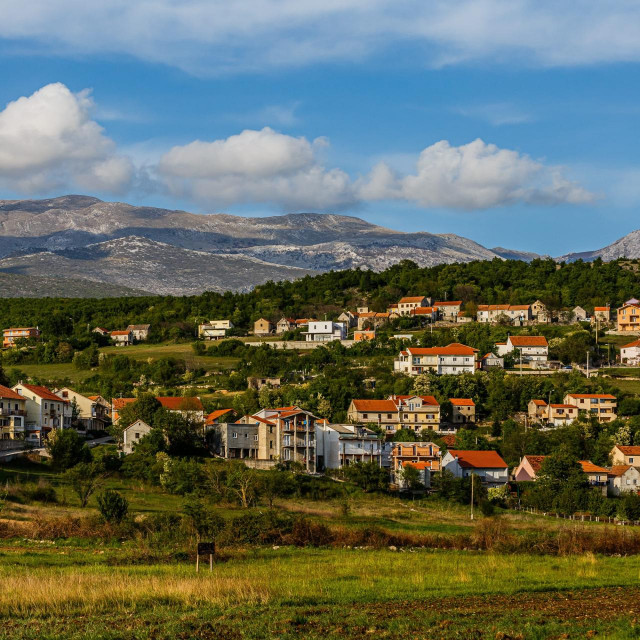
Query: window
[(45, 405), (234, 434), (255, 438), (365, 415), (630, 460), (270, 444), (137, 435)]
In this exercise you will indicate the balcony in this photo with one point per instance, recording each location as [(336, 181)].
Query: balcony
[(6, 411)]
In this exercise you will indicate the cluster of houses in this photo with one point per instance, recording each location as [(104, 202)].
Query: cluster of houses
[(622, 476), (125, 337), (602, 406)]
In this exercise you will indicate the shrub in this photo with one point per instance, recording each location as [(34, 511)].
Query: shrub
[(487, 508), (113, 506), (42, 492), (67, 449)]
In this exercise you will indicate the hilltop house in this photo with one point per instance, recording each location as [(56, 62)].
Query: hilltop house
[(630, 353), (539, 313), (133, 434), (140, 331), (601, 315), (214, 329), (600, 405), (532, 349), (406, 305), (596, 476), (455, 358), (397, 412), (349, 318), (45, 410), (101, 330), (12, 414), (491, 361), (578, 314), (426, 313), (487, 465), (10, 336), (629, 316), (122, 338), (372, 319)]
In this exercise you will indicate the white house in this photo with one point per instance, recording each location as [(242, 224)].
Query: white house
[(487, 465), (325, 331), (214, 329), (623, 478), (630, 353), (339, 445), (139, 331), (532, 348), (455, 358), (45, 410), (133, 434)]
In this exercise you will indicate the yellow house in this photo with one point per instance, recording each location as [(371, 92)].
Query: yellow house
[(262, 327)]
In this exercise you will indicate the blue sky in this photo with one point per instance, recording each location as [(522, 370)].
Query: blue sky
[(513, 124)]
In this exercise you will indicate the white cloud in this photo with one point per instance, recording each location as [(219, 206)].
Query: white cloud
[(48, 141), (256, 166), (213, 36), (473, 176)]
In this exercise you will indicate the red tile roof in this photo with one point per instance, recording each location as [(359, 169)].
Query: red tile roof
[(9, 394), (635, 343), (44, 393), (120, 333), (478, 459), (423, 311), (453, 349), (601, 308), (264, 421), (629, 451), (425, 399), (528, 341), (375, 405), (119, 403), (452, 303), (181, 403), (462, 402), (602, 396), (589, 467), (411, 299), (539, 403), (214, 415), (619, 469), (426, 464), (449, 440), (535, 462)]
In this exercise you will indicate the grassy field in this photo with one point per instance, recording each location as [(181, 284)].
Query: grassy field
[(144, 587)]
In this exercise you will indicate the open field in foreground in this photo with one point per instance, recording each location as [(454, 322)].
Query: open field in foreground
[(64, 592)]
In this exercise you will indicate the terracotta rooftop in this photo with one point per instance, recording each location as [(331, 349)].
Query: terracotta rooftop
[(462, 402), (589, 467), (528, 341), (535, 462), (478, 459), (9, 394), (43, 392)]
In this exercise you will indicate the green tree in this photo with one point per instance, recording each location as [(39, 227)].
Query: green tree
[(84, 479), (66, 449), (113, 506)]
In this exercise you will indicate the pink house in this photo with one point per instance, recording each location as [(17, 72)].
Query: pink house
[(528, 468)]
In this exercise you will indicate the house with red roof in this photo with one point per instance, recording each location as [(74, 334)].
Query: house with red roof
[(630, 353), (601, 315), (407, 304), (518, 314), (12, 414), (45, 411), (528, 469), (629, 455), (602, 406), (449, 310), (623, 478), (453, 359), (556, 415), (122, 338), (487, 465), (532, 349), (397, 412), (463, 410), (597, 476)]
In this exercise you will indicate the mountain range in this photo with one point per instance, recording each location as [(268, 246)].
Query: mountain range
[(87, 247)]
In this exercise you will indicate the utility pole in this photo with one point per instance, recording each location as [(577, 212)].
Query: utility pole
[(472, 476), (587, 365)]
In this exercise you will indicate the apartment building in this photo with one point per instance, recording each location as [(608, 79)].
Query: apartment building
[(415, 452), (12, 414), (628, 316), (397, 412), (214, 329), (600, 405), (12, 335), (454, 359), (45, 411)]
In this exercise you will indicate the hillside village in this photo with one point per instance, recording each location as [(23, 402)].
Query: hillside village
[(412, 436)]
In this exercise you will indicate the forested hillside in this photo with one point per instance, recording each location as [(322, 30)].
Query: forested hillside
[(492, 282)]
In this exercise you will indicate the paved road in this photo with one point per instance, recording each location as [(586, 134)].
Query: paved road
[(14, 453)]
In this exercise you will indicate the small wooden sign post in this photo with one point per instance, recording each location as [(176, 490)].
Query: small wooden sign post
[(205, 548)]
